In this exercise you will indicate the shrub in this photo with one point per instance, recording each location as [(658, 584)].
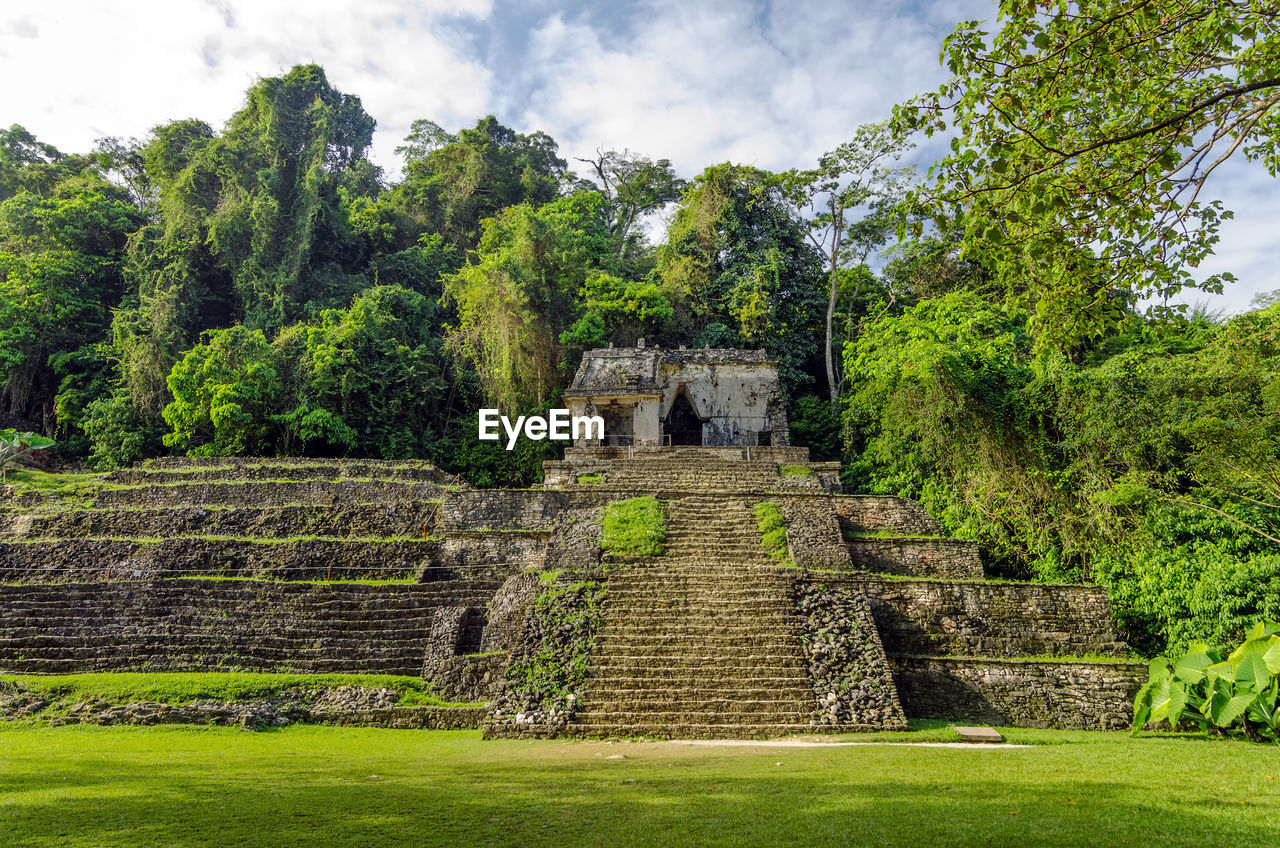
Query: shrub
[(1237, 694), (773, 532), (634, 527)]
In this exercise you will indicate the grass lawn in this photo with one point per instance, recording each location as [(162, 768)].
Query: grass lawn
[(183, 786)]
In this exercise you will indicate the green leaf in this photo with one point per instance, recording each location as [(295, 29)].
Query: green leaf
[(1271, 656), (1191, 667), (1041, 40), (1252, 673), (1234, 708)]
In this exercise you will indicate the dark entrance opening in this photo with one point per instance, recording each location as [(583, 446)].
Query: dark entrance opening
[(682, 424)]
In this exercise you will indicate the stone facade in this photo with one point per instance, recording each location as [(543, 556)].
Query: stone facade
[(954, 559), (976, 618), (1019, 693), (651, 396)]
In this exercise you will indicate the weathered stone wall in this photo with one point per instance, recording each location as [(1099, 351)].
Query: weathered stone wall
[(270, 469), (493, 552), (407, 518), (813, 534), (347, 705), (269, 493), (955, 559), (992, 619), (1068, 695), (872, 513), (79, 560), (220, 625), (852, 684), (517, 509), (470, 677)]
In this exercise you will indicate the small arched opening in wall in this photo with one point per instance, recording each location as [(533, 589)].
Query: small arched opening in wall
[(682, 424)]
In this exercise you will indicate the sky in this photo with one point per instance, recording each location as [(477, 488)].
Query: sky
[(771, 84)]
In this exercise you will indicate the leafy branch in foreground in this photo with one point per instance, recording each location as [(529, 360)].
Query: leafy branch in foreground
[(1088, 131), (15, 445), (1236, 694)]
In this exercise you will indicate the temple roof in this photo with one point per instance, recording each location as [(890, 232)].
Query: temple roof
[(635, 370)]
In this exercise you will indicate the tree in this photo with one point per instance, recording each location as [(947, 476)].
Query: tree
[(856, 174), (633, 186), (452, 183), (225, 392), (375, 376), (1085, 134), (518, 296), (739, 271), (61, 258)]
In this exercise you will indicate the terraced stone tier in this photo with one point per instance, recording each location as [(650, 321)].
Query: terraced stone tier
[(272, 469), (407, 518), (79, 560), (976, 618), (876, 513), (954, 559), (681, 471), (225, 625), (1019, 693), (269, 493)]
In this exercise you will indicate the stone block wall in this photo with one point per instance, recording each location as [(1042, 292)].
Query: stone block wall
[(813, 533), (79, 560), (955, 559), (872, 513), (493, 552), (1069, 695), (408, 518), (257, 493), (992, 619), (852, 683)]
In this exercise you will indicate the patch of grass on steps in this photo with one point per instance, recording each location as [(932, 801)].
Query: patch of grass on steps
[(634, 527)]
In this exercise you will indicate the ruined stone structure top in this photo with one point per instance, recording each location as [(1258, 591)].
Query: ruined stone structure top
[(656, 396)]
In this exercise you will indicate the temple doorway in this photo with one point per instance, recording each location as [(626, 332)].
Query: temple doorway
[(682, 424)]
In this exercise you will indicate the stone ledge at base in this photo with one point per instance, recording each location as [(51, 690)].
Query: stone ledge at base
[(1019, 693)]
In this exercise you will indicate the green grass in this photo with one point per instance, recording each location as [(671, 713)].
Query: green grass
[(773, 532), (795, 471), (590, 479), (67, 486), (634, 527), (303, 785), (183, 688)]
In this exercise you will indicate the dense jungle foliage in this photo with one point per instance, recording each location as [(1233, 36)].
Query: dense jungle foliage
[(265, 289)]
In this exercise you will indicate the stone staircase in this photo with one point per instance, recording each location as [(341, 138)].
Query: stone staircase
[(205, 625), (703, 641)]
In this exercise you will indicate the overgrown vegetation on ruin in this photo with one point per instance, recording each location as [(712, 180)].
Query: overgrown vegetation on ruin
[(634, 527), (773, 532)]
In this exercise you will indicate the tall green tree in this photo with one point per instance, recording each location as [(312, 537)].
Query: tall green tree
[(454, 182), (858, 174), (1084, 136), (61, 258), (253, 223), (740, 272), (519, 295)]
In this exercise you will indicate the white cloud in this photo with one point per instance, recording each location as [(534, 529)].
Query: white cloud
[(75, 71)]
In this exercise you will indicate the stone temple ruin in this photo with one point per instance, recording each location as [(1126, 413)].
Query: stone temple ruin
[(875, 617)]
